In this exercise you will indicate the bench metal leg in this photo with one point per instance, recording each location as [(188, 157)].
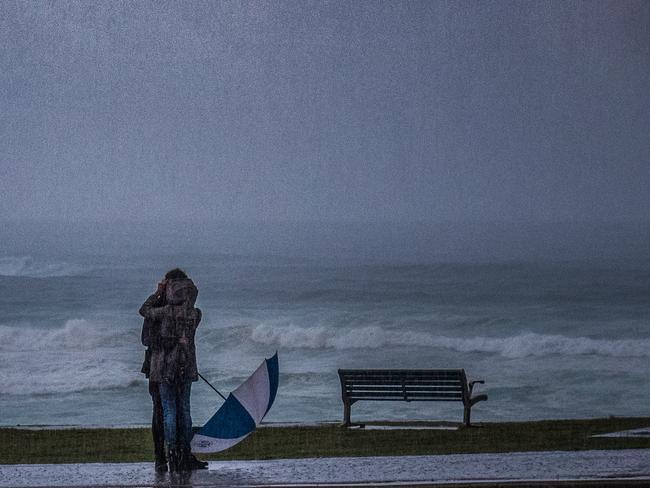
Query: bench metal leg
[(346, 413), (468, 407), (466, 415)]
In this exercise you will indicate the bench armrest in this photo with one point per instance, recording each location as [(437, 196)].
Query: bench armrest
[(472, 383)]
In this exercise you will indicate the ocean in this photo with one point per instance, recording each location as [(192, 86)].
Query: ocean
[(551, 339)]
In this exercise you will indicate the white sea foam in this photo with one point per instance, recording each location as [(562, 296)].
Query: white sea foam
[(76, 334), (518, 346), (65, 373), (28, 267), (80, 356)]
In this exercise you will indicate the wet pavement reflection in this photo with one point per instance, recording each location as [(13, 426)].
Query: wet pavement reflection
[(625, 463)]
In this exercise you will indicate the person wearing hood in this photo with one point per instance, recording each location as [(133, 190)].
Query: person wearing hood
[(172, 324)]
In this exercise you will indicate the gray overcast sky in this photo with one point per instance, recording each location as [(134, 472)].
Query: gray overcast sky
[(357, 111)]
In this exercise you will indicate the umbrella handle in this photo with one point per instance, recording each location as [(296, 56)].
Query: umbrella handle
[(218, 392)]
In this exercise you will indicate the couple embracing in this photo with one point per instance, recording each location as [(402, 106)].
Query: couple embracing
[(170, 322)]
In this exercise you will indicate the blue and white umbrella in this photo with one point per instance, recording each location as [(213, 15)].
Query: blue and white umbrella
[(242, 412)]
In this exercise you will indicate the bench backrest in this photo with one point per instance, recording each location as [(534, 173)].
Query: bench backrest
[(403, 384)]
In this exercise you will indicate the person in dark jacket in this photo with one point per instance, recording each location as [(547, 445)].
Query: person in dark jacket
[(150, 338), (169, 328)]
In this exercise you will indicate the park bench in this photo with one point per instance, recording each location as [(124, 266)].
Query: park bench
[(429, 385)]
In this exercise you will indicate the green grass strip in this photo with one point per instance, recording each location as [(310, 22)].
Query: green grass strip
[(131, 445)]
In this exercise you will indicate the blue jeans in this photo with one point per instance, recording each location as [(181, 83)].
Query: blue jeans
[(176, 405)]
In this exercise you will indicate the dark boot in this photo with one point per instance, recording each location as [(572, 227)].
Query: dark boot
[(188, 462), (173, 459), (161, 464), (182, 460), (195, 463)]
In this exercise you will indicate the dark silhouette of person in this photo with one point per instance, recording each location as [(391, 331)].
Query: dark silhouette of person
[(170, 321)]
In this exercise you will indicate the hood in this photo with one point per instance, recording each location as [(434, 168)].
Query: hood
[(180, 292)]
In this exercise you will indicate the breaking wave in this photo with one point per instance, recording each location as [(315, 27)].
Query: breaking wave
[(80, 356), (68, 374), (76, 334), (518, 346), (26, 266)]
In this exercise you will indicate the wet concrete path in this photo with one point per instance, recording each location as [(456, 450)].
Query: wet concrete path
[(629, 463)]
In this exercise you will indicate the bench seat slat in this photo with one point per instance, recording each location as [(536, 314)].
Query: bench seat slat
[(388, 394), (444, 372), (396, 399), (414, 375), (407, 376), (394, 379), (400, 388), (398, 382), (403, 373)]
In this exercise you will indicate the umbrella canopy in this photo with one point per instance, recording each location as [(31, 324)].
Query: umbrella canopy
[(242, 411)]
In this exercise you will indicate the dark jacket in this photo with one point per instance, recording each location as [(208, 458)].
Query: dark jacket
[(171, 333), (150, 335)]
